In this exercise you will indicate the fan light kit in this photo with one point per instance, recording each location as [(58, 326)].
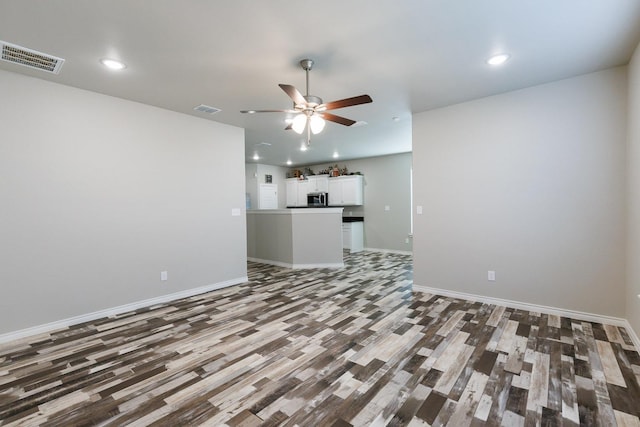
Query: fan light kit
[(310, 111)]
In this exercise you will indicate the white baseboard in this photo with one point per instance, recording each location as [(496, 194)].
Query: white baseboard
[(65, 323), (296, 266), (579, 315), (632, 334), (389, 251)]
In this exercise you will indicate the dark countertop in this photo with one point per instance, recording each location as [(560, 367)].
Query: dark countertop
[(352, 219)]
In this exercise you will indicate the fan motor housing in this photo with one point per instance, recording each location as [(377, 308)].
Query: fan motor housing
[(313, 101)]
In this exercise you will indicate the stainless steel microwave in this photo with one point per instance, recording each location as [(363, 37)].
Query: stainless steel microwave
[(317, 200)]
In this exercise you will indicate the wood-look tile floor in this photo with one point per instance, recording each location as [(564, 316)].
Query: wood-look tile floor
[(348, 347)]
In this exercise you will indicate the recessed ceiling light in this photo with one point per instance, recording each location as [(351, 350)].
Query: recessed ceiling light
[(335, 155), (289, 162), (303, 147), (256, 157), (396, 119), (113, 64), (288, 120), (498, 59)]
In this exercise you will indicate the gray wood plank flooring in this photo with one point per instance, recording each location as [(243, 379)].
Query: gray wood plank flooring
[(348, 347)]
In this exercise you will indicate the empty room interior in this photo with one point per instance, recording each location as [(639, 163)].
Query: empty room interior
[(342, 214)]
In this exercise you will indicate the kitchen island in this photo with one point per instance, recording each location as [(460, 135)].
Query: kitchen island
[(295, 238)]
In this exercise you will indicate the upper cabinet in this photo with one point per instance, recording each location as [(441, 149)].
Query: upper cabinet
[(303, 189), (346, 191), (292, 192), (297, 192), (318, 183), (343, 190), (297, 189)]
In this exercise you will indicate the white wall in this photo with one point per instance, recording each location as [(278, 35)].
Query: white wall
[(387, 182), (251, 184), (633, 219), (98, 195), (530, 184), (255, 175), (278, 176)]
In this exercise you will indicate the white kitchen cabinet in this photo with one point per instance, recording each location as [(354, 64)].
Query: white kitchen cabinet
[(318, 183), (297, 189), (292, 192), (297, 192), (353, 236), (346, 191), (303, 189)]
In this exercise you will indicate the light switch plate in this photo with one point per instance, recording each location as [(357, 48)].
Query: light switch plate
[(419, 210), (236, 212)]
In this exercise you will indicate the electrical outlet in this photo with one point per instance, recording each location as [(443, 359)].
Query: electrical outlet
[(406, 240), (491, 276), (164, 275)]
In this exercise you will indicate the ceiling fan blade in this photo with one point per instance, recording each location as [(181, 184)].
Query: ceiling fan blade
[(268, 111), (337, 119), (348, 102), (294, 94)]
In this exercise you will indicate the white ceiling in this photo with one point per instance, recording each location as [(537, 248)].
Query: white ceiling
[(408, 55)]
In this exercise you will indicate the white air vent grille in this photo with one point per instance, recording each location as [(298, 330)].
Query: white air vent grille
[(30, 58), (207, 109)]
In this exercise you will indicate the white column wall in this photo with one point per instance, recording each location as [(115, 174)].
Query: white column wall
[(530, 184), (98, 195)]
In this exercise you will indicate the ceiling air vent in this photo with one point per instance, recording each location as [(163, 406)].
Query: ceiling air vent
[(30, 58), (207, 109)]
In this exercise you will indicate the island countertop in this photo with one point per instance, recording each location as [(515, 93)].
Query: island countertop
[(296, 237)]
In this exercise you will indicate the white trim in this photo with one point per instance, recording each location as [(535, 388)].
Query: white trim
[(270, 262), (579, 315), (296, 266), (326, 265), (389, 251), (633, 335), (65, 323)]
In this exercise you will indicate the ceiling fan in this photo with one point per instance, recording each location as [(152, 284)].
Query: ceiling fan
[(310, 111)]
